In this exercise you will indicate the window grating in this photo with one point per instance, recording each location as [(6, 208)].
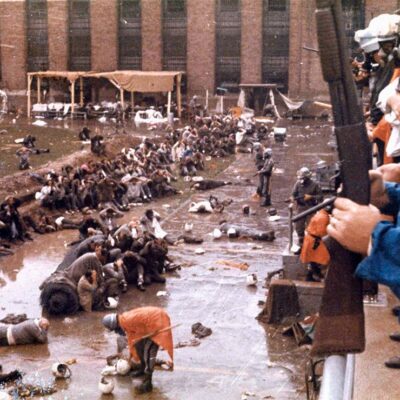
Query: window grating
[(79, 35), (353, 13), (129, 35), (228, 40), (275, 60), (37, 36)]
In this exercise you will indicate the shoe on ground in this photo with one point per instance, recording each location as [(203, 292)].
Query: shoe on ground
[(136, 374), (393, 362), (311, 278), (395, 336), (145, 387)]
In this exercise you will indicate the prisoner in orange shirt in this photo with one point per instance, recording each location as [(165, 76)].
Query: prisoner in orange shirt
[(147, 329)]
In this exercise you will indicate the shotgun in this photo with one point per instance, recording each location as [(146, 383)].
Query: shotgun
[(340, 327)]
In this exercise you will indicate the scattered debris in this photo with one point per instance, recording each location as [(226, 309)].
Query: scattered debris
[(10, 377), (233, 264), (188, 227), (111, 303), (246, 395), (109, 370), (199, 251), (39, 122), (122, 367), (295, 248), (200, 331), (28, 390), (274, 218), (190, 239), (162, 293), (188, 343), (201, 207), (164, 364), (14, 319), (61, 371), (106, 386), (217, 234), (251, 280)]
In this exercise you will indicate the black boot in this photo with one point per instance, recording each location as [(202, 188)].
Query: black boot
[(156, 277), (309, 276), (137, 373), (146, 386)]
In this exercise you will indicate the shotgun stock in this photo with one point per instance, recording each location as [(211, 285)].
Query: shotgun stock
[(340, 328)]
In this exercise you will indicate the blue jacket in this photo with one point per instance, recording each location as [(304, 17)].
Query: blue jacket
[(383, 263)]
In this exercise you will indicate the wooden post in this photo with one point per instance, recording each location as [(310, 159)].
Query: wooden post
[(72, 97), (81, 91), (133, 100), (38, 82), (28, 94), (169, 104), (179, 94), (121, 95)]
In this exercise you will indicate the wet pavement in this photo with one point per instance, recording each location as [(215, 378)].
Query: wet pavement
[(241, 355), (372, 379)]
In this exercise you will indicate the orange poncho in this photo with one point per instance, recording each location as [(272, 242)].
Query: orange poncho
[(316, 229), (143, 321)]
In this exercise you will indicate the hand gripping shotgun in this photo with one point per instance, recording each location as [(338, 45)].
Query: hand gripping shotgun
[(340, 327)]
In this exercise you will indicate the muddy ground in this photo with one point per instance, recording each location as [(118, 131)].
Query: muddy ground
[(242, 355)]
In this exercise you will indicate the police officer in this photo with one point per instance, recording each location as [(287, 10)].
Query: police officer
[(265, 174), (306, 194)]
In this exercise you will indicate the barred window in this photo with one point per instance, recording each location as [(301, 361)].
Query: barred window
[(37, 36), (175, 6), (174, 31), (129, 35), (229, 5), (228, 40), (277, 5), (79, 35), (353, 13), (275, 58)]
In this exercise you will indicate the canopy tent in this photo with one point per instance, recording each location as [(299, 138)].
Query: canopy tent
[(130, 81)]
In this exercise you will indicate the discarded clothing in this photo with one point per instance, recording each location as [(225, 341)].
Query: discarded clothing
[(243, 231), (10, 377), (233, 264), (188, 343), (14, 319), (201, 207), (190, 239), (200, 331)]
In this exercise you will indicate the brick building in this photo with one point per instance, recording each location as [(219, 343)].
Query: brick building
[(217, 42)]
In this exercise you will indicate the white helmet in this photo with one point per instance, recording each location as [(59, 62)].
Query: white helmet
[(268, 152), (217, 233), (231, 233), (303, 172)]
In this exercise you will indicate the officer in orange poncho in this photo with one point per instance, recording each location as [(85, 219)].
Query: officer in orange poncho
[(314, 252), (147, 329)]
